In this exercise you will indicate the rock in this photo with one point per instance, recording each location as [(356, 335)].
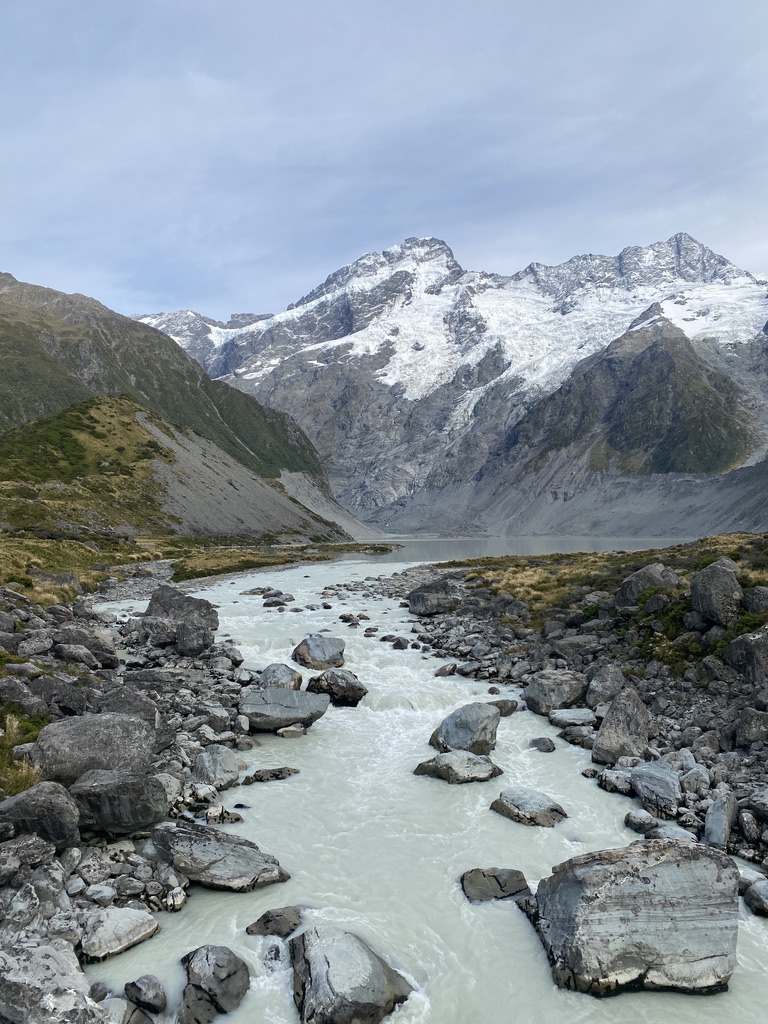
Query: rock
[(147, 993), (651, 577), (624, 729), (119, 801), (113, 930), (758, 802), (344, 688), (338, 977), (554, 688), (217, 981), (459, 766), (72, 746), (77, 654), (756, 600), (751, 727), (544, 744), (169, 603), (658, 787), (44, 985), (604, 685), (277, 674), (641, 821), (99, 642), (671, 831), (471, 727), (276, 707), (193, 638), (720, 818), (565, 717), (748, 654), (658, 914), (319, 652), (756, 897), (216, 859), (281, 921), (433, 598), (528, 807), (269, 775), (217, 766), (28, 851), (506, 705), (482, 884), (615, 780), (716, 594), (47, 810)]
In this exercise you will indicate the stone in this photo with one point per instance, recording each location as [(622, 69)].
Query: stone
[(751, 727), (276, 707), (76, 654), (641, 821), (604, 685), (544, 744), (758, 802), (756, 897), (169, 603), (338, 977), (217, 766), (459, 766), (113, 930), (277, 674), (319, 652), (47, 810), (217, 981), (565, 717), (507, 706), (720, 818), (657, 914), (471, 727), (99, 642), (554, 688), (528, 807), (624, 729), (193, 638), (668, 830), (343, 687), (435, 598), (119, 801), (716, 594), (216, 859), (756, 600), (748, 654), (655, 576), (281, 921), (72, 746), (147, 993), (44, 985), (483, 884), (269, 775), (658, 787)]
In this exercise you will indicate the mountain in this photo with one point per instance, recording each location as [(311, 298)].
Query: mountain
[(57, 350), (417, 380)]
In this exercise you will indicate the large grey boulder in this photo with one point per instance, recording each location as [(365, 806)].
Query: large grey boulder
[(216, 859), (528, 807), (342, 686), (483, 884), (751, 727), (169, 603), (44, 985), (47, 810), (471, 727), (720, 817), (277, 707), (756, 897), (217, 981), (319, 652), (604, 685), (655, 576), (147, 993), (656, 914), (433, 598), (658, 786), (217, 766), (112, 930), (624, 730), (119, 801), (758, 802), (459, 766), (554, 688), (98, 641), (748, 654), (277, 674), (716, 594), (338, 979), (68, 748)]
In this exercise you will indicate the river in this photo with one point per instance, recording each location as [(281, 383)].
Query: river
[(377, 850)]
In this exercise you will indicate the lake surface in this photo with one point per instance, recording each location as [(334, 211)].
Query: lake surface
[(379, 851), (446, 549)]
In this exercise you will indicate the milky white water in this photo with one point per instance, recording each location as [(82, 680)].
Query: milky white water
[(377, 850)]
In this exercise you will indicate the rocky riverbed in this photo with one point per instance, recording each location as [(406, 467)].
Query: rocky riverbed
[(151, 717)]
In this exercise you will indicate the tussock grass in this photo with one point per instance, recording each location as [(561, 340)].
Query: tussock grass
[(17, 775)]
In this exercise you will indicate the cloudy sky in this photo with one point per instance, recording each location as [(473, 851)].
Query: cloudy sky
[(227, 155)]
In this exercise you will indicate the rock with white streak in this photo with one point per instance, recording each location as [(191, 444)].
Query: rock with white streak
[(115, 929)]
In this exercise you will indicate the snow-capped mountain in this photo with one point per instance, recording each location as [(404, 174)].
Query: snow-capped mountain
[(409, 373)]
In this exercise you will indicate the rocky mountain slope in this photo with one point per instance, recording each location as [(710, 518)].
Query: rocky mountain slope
[(418, 381)]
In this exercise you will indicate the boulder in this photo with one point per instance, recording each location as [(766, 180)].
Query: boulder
[(44, 985), (720, 817), (72, 746), (651, 577), (192, 638), (147, 993), (112, 930), (459, 766), (119, 801), (433, 598), (281, 922), (564, 718), (658, 787), (756, 600), (544, 744), (343, 687), (216, 859), (217, 980), (528, 807), (99, 642), (471, 727), (656, 914), (748, 654), (604, 685), (756, 897), (624, 730), (319, 652), (554, 688), (217, 766), (47, 810), (716, 594), (758, 802), (281, 675), (483, 884), (751, 727), (338, 978), (276, 707), (169, 603)]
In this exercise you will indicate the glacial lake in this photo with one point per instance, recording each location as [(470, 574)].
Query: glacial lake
[(376, 850)]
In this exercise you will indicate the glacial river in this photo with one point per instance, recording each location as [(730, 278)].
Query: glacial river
[(376, 850)]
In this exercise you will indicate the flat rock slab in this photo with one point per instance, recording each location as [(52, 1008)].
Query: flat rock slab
[(275, 707), (459, 766), (115, 929), (338, 979), (483, 884), (529, 807), (216, 859), (656, 914)]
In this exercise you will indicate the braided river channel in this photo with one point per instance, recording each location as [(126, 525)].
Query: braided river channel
[(378, 851)]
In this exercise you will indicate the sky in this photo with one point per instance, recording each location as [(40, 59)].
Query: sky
[(228, 155)]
